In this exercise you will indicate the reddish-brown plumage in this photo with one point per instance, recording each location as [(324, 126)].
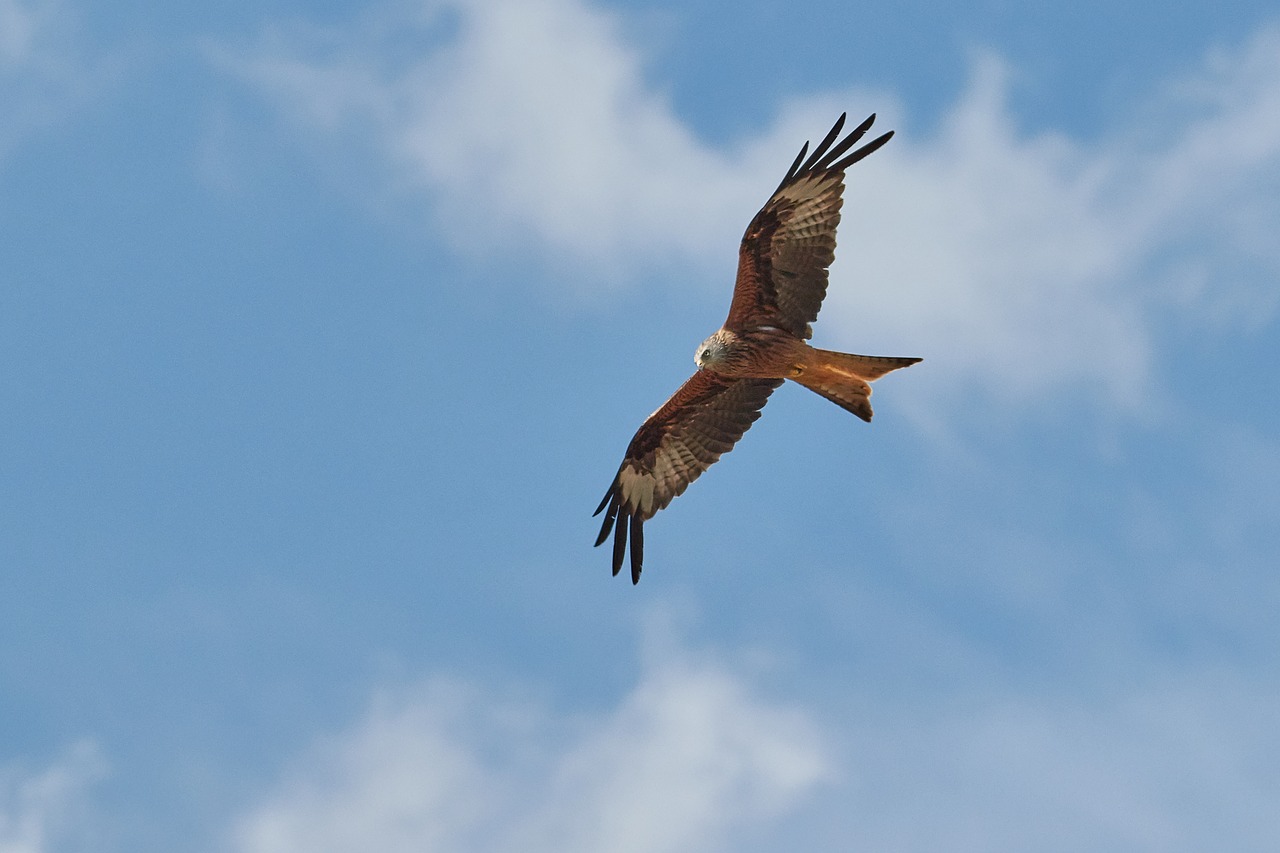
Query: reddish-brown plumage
[(782, 280), (679, 441)]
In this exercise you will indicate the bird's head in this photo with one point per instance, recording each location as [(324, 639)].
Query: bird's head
[(713, 352)]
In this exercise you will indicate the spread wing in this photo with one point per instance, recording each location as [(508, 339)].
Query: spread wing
[(701, 421), (783, 259)]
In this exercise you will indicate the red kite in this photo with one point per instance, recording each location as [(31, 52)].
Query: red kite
[(782, 278)]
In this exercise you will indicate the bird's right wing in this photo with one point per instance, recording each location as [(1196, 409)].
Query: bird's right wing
[(701, 421)]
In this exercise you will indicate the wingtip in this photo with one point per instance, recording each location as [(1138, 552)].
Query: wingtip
[(607, 526), (637, 548), (619, 544), (866, 150), (608, 495)]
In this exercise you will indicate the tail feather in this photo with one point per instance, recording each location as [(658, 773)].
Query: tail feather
[(844, 378), (868, 367)]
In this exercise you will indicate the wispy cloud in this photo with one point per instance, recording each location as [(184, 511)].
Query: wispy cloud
[(41, 70), (18, 27), (42, 811), (691, 758), (1022, 262), (1177, 765)]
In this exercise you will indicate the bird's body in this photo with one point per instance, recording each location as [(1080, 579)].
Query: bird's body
[(782, 279), (771, 353), (763, 353)]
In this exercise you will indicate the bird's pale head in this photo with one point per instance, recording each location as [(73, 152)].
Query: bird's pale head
[(714, 351)]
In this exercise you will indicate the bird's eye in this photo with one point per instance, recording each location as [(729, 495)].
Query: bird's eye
[(706, 354)]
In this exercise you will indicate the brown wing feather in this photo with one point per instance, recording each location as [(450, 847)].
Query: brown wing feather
[(787, 248), (701, 421)]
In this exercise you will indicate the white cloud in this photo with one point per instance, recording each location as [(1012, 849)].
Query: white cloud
[(694, 758), (994, 253), (41, 811), (691, 758), (531, 119), (1019, 263), (1034, 261)]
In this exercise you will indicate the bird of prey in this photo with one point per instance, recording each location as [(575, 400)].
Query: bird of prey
[(782, 278)]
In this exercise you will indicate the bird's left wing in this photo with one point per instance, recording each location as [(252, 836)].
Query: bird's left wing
[(679, 441), (785, 252)]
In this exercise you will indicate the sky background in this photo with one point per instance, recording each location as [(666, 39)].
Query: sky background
[(324, 326)]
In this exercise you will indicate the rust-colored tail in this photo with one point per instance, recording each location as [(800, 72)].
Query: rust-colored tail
[(844, 378)]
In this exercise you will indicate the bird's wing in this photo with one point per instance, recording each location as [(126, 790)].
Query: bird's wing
[(701, 421), (783, 259)]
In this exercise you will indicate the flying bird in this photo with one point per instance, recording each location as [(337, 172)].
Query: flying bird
[(782, 278)]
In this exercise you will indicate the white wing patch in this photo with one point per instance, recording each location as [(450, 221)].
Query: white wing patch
[(675, 466), (637, 489), (814, 206)]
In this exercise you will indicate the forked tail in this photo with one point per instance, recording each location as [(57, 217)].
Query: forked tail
[(844, 378)]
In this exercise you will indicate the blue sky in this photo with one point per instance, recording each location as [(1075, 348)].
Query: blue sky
[(323, 326)]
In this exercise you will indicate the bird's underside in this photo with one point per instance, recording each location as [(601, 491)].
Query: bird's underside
[(782, 279)]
